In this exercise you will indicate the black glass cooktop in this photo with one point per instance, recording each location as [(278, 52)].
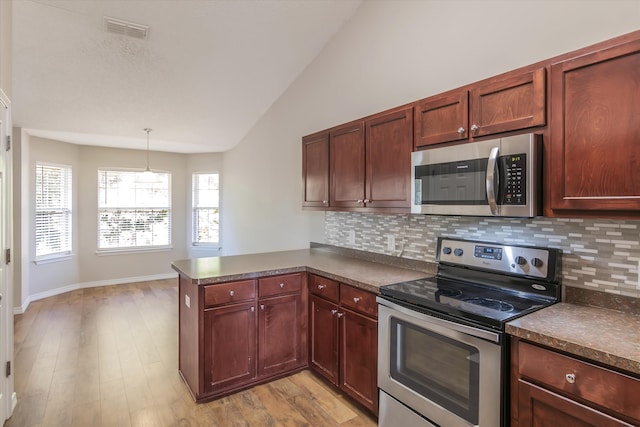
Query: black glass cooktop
[(480, 304)]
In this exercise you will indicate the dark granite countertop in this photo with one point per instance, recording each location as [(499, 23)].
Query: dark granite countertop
[(364, 274), (606, 336)]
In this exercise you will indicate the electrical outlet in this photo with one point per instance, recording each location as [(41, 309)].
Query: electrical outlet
[(391, 242), (352, 236)]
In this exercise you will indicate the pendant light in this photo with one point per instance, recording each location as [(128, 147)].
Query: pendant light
[(147, 170)]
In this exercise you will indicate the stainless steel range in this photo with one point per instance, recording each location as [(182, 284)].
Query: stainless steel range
[(443, 353)]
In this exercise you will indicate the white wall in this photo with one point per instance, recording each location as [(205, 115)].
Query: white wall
[(391, 53), (5, 46), (86, 267)]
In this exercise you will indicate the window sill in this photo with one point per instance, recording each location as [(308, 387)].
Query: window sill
[(52, 258), (131, 251)]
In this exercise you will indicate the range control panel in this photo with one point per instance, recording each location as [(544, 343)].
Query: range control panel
[(512, 259)]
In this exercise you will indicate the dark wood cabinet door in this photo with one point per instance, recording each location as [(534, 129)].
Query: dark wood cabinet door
[(389, 142), (347, 165), (517, 102), (595, 131), (229, 346), (358, 358), (280, 329), (323, 342), (315, 170), (442, 118), (542, 408)]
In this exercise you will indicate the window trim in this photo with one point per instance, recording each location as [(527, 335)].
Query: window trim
[(65, 254), (134, 249), (192, 229)]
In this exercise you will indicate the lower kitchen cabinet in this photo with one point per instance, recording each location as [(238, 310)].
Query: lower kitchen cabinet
[(280, 335), (229, 346), (344, 338), (237, 334), (553, 389)]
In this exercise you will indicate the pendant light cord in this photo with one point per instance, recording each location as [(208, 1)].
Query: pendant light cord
[(147, 130)]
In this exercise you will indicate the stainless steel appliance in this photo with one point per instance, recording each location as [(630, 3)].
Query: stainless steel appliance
[(498, 177), (442, 349)]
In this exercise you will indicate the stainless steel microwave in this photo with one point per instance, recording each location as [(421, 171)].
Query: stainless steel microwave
[(498, 177)]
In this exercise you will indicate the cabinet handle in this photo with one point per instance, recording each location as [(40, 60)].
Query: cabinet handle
[(367, 201), (356, 299), (340, 315), (232, 293), (474, 128), (281, 285), (253, 309), (359, 201), (325, 202), (321, 287), (571, 378), (461, 130), (333, 312), (261, 306)]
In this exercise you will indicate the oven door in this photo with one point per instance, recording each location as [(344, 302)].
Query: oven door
[(447, 372)]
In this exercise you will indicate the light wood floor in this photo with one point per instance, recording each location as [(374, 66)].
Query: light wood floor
[(108, 357)]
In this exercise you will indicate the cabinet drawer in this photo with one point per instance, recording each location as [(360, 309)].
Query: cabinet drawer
[(225, 293), (603, 387), (280, 285), (323, 287), (358, 300)]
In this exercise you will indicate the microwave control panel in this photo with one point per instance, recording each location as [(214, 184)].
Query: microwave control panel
[(513, 172)]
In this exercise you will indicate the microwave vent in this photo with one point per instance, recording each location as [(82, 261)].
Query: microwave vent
[(126, 28)]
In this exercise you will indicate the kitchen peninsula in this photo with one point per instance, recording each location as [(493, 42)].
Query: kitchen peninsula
[(243, 319)]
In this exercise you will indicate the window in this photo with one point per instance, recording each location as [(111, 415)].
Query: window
[(134, 210), (53, 210), (206, 209)]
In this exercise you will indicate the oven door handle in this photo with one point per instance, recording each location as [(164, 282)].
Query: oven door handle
[(459, 327), (490, 180)]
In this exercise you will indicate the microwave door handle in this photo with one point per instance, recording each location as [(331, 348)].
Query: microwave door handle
[(490, 179)]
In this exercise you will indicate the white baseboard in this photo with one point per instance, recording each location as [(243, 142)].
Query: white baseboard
[(85, 285)]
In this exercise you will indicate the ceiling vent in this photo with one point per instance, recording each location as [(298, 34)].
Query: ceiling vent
[(131, 29)]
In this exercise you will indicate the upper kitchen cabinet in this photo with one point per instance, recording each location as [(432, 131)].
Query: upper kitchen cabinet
[(595, 130), (388, 144), (507, 103), (370, 163), (346, 165), (442, 118), (315, 170)]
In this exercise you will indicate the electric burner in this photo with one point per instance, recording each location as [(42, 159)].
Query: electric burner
[(491, 303)]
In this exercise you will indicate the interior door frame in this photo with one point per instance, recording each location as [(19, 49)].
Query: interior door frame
[(6, 242)]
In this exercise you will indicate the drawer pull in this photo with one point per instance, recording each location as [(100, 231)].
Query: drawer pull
[(281, 285), (571, 378), (356, 299), (253, 309), (340, 315), (333, 312), (232, 293), (261, 306), (321, 287)]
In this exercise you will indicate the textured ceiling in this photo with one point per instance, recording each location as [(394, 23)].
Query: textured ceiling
[(206, 73)]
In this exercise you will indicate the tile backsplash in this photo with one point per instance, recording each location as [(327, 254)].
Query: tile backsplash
[(598, 254)]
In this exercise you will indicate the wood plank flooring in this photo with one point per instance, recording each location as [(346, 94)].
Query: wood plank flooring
[(108, 356)]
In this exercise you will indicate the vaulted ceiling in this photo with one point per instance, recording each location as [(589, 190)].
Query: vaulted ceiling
[(203, 76)]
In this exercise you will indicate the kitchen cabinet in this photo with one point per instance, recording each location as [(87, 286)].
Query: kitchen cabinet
[(237, 334), (281, 325), (550, 388), (507, 103), (343, 330), (347, 168), (361, 164), (315, 170), (595, 130)]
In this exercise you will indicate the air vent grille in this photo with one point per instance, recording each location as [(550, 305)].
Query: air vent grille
[(126, 28)]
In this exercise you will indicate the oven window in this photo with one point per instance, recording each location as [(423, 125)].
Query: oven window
[(454, 183), (439, 368)]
